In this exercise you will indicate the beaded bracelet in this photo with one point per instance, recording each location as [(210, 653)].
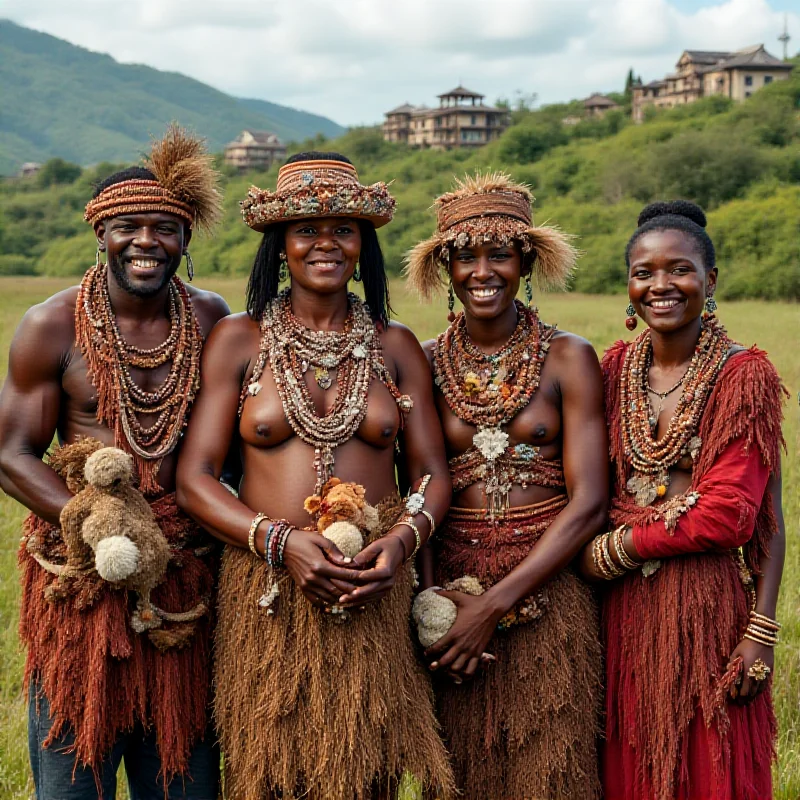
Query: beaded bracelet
[(416, 501), (616, 572), (600, 563), (251, 535), (622, 553)]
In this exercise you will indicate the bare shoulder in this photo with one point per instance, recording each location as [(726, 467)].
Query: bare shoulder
[(571, 348), (53, 318), (234, 331), (397, 338), (208, 306)]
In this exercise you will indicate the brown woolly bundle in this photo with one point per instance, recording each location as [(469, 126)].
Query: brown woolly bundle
[(489, 208), (99, 676), (308, 707), (526, 726), (665, 669), (185, 169)]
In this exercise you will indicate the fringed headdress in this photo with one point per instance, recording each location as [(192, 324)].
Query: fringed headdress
[(318, 188), (489, 208), (185, 184)]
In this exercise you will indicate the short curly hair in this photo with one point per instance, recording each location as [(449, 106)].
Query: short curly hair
[(676, 215)]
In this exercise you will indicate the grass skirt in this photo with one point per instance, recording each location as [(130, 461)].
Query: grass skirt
[(526, 726), (309, 706)]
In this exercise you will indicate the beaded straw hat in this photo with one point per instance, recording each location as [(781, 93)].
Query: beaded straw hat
[(318, 188), (482, 209), (185, 184)]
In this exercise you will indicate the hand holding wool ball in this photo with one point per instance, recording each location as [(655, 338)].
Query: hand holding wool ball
[(434, 614)]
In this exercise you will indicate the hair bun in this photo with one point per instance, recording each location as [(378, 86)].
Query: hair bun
[(674, 208)]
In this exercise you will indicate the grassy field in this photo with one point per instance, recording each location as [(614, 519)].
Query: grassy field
[(776, 328)]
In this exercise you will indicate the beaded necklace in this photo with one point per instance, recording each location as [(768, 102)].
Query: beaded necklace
[(119, 398), (651, 458), (292, 350), (489, 390)]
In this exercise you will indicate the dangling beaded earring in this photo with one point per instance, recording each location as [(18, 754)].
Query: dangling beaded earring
[(189, 266), (97, 262), (451, 303), (283, 272), (631, 322), (711, 304), (528, 290), (357, 272)]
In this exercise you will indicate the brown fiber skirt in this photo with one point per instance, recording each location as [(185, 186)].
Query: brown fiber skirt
[(526, 727), (308, 706)]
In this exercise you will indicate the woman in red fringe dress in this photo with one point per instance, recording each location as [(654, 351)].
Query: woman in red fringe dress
[(697, 546)]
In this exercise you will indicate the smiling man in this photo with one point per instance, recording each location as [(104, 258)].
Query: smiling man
[(115, 362)]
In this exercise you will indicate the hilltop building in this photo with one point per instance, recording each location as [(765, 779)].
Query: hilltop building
[(462, 120), (29, 169), (254, 150), (598, 105), (701, 73)]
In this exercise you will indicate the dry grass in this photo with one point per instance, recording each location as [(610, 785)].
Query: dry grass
[(776, 328)]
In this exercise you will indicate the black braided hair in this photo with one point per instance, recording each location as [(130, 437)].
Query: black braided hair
[(263, 284), (129, 174), (676, 215)]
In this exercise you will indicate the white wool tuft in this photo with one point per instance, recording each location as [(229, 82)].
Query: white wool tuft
[(434, 615), (116, 558), (346, 536)]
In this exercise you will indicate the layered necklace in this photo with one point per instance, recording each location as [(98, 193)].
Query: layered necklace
[(293, 350), (120, 400), (489, 390), (651, 458)]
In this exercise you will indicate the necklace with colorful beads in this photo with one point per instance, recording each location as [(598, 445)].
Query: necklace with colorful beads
[(120, 399), (651, 458), (489, 390)]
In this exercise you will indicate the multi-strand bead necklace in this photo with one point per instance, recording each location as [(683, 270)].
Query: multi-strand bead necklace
[(489, 390), (651, 458), (120, 398), (355, 353)]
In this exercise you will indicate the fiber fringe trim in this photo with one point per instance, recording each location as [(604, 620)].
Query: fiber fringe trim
[(527, 725), (308, 707), (664, 659)]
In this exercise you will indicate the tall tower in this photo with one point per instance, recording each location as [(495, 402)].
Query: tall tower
[(784, 37)]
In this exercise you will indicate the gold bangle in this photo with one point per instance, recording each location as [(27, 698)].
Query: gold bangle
[(758, 630), (622, 553), (766, 622), (251, 535), (597, 557), (759, 640), (429, 517), (417, 536), (616, 572)]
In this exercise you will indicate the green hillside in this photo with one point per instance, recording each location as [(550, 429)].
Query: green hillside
[(60, 100), (741, 162)]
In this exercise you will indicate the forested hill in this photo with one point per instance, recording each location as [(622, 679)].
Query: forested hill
[(740, 162), (60, 100)]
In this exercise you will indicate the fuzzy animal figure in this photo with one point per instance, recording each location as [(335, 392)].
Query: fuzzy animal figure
[(434, 615), (343, 514), (111, 523)]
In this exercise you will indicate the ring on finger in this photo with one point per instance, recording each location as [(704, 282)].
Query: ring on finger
[(758, 671)]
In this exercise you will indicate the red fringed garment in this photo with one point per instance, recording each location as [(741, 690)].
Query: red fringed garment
[(101, 677), (669, 637)]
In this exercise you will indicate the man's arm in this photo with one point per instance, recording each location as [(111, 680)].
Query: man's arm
[(29, 408)]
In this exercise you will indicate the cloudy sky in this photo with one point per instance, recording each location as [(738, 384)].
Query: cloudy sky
[(351, 60)]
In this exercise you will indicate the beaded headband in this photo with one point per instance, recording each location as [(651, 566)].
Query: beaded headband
[(483, 209), (320, 188), (185, 184)]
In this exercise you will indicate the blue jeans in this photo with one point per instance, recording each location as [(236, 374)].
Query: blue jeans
[(53, 768)]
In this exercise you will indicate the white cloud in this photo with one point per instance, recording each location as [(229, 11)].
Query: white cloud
[(353, 59)]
